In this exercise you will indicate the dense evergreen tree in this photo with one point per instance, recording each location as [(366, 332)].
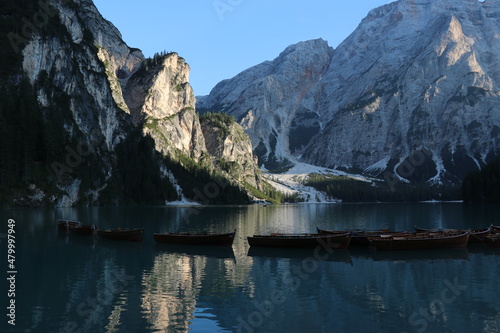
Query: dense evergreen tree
[(484, 184), (351, 190)]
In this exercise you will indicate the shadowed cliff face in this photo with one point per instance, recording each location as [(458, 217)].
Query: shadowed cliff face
[(102, 93), (273, 101), (231, 149), (415, 78)]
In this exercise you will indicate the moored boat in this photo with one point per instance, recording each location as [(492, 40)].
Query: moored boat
[(493, 240), (65, 225), (360, 237), (495, 228), (421, 241), (335, 241), (127, 234), (209, 239), (85, 230), (475, 236)]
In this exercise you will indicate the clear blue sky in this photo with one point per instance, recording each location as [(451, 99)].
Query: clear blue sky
[(221, 38)]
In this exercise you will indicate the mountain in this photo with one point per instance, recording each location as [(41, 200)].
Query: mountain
[(273, 101), (86, 119), (411, 95)]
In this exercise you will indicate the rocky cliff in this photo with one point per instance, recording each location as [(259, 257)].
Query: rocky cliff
[(231, 149), (107, 125), (411, 94), (273, 102), (162, 101)]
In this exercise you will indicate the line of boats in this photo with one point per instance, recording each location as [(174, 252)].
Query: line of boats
[(383, 239)]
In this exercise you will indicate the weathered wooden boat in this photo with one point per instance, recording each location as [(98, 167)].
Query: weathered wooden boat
[(475, 236), (126, 234), (421, 241), (493, 240), (85, 230), (209, 239), (360, 237), (65, 225), (335, 241)]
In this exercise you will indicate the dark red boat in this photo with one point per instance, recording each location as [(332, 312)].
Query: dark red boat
[(421, 241), (360, 237), (65, 225), (336, 241), (475, 236), (493, 240), (85, 230), (126, 234), (211, 239)]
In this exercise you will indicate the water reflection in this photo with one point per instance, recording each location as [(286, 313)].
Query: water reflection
[(175, 283), (71, 283)]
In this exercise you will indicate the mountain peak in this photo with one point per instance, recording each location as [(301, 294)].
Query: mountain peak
[(415, 76)]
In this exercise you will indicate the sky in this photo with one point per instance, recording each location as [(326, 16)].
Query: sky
[(221, 38)]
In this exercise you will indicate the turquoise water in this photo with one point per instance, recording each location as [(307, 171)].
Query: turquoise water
[(69, 283)]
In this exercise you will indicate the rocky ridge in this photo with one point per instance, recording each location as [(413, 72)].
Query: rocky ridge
[(412, 93), (102, 91)]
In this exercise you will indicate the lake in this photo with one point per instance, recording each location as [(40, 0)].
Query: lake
[(70, 283)]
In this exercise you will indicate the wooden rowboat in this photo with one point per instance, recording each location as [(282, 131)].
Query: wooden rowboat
[(210, 239), (475, 236), (493, 240), (85, 230), (360, 237), (65, 225), (421, 241), (122, 234), (336, 241)]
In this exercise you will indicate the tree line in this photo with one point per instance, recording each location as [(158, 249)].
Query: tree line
[(351, 190), (483, 185)]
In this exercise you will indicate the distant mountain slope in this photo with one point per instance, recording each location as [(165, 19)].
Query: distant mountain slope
[(412, 94), (273, 103)]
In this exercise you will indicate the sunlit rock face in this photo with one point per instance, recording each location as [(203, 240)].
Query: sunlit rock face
[(103, 90), (416, 78)]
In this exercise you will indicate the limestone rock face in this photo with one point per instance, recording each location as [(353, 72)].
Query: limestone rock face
[(76, 69), (102, 90), (273, 101), (161, 99), (231, 150), (417, 77)]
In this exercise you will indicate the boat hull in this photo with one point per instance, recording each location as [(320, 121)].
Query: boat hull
[(421, 242), (196, 239), (122, 234), (493, 240), (66, 225), (475, 236), (84, 230), (335, 241), (359, 237)]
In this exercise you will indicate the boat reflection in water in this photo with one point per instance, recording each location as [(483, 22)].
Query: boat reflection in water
[(220, 252), (318, 254), (421, 255)]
